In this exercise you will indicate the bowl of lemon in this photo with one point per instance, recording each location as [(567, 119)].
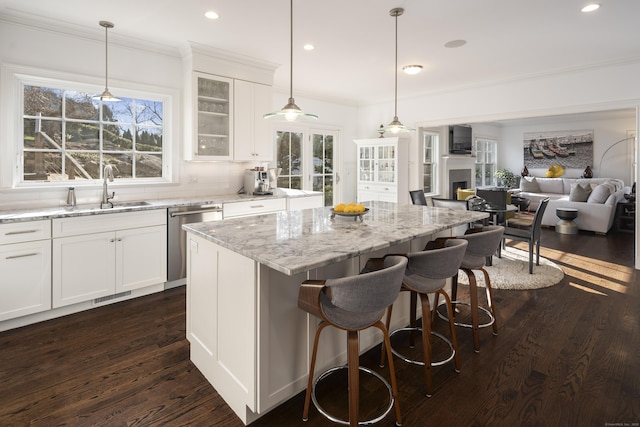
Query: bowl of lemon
[(355, 210)]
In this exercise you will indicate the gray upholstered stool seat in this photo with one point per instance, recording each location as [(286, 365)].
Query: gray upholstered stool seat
[(352, 304), (482, 245), (426, 273)]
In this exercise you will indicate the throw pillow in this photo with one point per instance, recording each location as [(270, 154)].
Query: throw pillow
[(529, 185), (579, 193), (600, 194)]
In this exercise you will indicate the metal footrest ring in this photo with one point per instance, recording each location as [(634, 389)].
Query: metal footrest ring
[(330, 417), (486, 324), (418, 362)]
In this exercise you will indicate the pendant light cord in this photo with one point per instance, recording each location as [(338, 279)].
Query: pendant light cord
[(395, 72), (291, 50), (106, 56)]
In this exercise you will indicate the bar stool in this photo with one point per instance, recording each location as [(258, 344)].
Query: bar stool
[(482, 245), (426, 273), (353, 304)]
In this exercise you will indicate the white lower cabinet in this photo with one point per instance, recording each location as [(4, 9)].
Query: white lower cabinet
[(89, 265), (254, 207), (25, 278)]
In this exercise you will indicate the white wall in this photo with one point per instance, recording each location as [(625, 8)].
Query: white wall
[(616, 164), (79, 53)]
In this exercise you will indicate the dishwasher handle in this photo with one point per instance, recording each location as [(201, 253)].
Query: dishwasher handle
[(198, 211)]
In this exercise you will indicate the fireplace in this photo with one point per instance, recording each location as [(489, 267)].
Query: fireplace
[(456, 185), (458, 178)]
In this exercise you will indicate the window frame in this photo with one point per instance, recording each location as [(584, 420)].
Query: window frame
[(435, 158), (306, 154), (13, 79), (481, 161)]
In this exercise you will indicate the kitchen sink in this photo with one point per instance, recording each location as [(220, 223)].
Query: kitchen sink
[(130, 204)]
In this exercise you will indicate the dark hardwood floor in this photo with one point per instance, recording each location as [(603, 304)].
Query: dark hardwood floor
[(568, 355)]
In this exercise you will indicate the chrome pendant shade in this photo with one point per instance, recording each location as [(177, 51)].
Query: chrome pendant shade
[(106, 95), (396, 125), (291, 112)]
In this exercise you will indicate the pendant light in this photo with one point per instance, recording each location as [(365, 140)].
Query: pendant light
[(291, 112), (106, 95), (396, 126)]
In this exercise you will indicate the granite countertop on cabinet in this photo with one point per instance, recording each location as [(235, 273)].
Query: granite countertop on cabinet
[(34, 214), (297, 241)]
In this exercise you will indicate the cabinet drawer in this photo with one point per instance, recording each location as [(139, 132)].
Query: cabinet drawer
[(17, 232), (254, 207), (75, 226)]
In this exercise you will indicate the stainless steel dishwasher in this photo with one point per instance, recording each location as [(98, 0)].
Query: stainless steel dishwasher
[(177, 240)]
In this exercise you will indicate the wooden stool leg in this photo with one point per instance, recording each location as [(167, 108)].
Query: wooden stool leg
[(413, 318), (426, 341), (487, 280), (473, 296), (312, 367), (392, 371), (383, 352), (353, 360), (452, 328)]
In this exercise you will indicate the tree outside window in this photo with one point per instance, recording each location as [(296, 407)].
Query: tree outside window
[(68, 136)]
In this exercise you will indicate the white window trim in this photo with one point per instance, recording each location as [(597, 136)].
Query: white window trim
[(11, 79), (435, 161), (306, 132), (495, 142)]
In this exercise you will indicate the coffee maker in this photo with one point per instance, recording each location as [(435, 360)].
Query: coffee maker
[(256, 182)]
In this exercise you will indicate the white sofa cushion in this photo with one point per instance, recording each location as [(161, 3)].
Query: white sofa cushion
[(600, 194), (579, 193), (551, 185), (529, 185)]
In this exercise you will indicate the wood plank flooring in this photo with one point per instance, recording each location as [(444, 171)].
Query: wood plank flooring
[(568, 355)]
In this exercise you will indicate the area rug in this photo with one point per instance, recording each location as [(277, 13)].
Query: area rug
[(512, 272)]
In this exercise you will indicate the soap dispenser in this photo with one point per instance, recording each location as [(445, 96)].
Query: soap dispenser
[(71, 196)]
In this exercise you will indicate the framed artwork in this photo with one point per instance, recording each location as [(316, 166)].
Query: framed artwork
[(571, 149)]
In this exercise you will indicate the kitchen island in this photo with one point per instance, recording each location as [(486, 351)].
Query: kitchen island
[(247, 335)]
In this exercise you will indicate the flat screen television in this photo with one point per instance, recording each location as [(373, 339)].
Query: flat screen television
[(460, 140)]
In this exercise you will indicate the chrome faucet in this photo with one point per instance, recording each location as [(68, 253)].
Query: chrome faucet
[(107, 175)]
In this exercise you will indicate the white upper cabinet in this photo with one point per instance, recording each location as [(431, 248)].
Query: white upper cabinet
[(251, 131), (213, 103), (226, 96)]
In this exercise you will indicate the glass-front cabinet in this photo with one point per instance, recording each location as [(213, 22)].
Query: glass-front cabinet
[(214, 130), (379, 164)]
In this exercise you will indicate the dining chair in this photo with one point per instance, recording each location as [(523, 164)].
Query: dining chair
[(417, 197), (531, 233)]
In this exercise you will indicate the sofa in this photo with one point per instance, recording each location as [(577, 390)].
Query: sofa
[(594, 198)]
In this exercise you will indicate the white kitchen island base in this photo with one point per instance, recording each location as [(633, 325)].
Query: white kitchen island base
[(248, 337)]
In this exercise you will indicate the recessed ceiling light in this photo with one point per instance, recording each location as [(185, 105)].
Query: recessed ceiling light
[(412, 69), (211, 14), (309, 46), (455, 43), (591, 7)]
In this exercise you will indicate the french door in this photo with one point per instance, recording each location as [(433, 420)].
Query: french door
[(308, 160)]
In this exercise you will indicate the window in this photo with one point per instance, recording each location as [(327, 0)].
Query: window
[(485, 150), (429, 163), (68, 136), (289, 158), (307, 166)]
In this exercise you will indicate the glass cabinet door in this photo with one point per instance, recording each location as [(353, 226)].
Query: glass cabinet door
[(213, 118), (366, 164), (386, 163)]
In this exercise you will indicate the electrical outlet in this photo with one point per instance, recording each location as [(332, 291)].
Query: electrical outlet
[(193, 178)]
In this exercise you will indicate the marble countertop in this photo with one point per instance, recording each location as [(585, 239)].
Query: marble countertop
[(297, 241), (34, 214)]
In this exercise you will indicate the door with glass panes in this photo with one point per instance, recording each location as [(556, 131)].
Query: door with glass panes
[(307, 159)]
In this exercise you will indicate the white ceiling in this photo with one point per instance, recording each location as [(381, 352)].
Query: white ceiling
[(354, 57)]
